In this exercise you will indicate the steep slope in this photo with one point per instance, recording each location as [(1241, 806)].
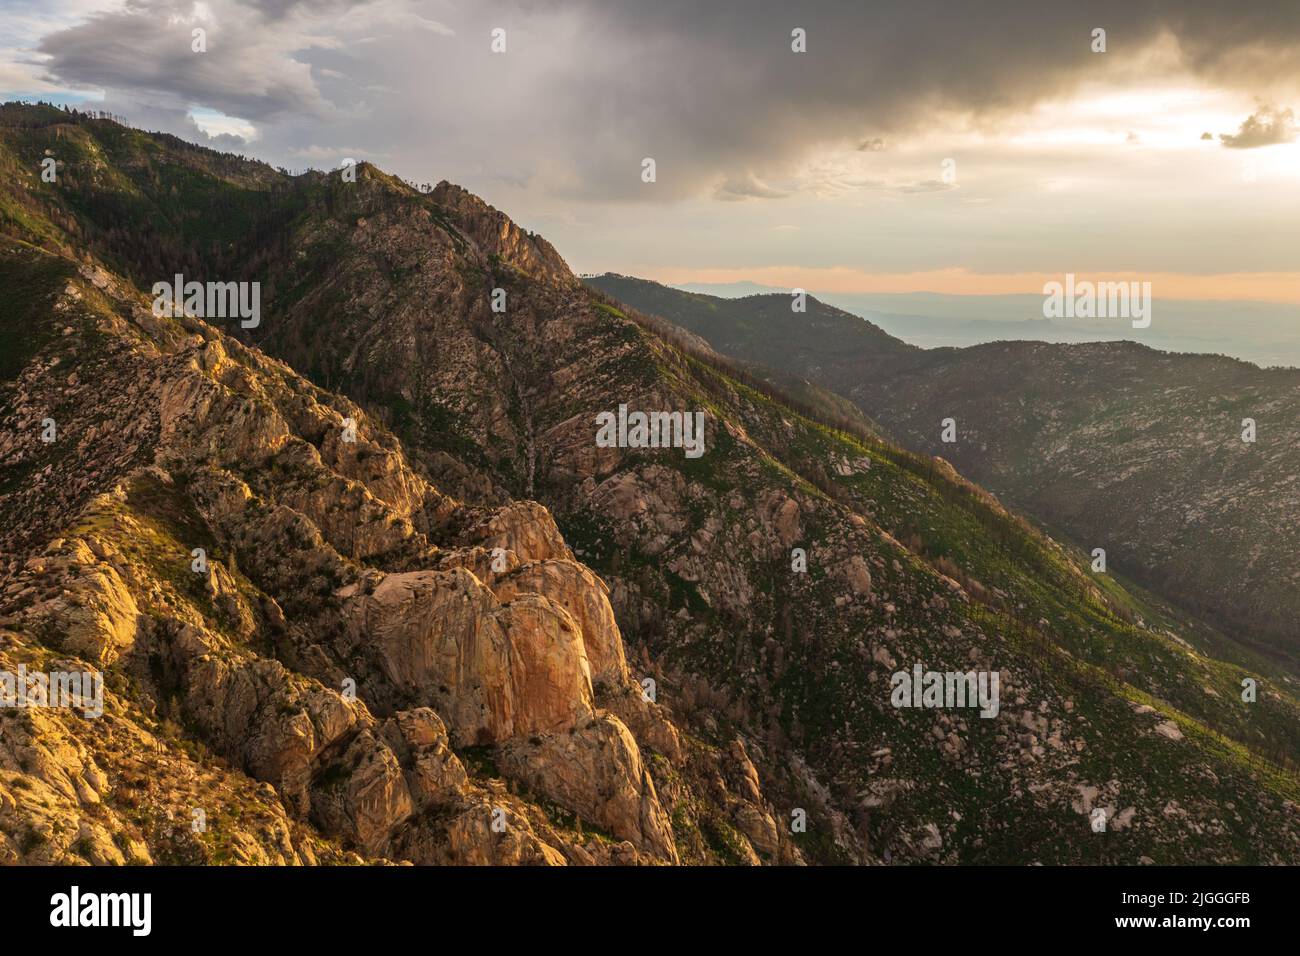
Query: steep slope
[(698, 555), (779, 677), (1116, 445), (357, 666), (1141, 453)]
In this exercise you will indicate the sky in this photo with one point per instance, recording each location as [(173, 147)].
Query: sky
[(919, 146)]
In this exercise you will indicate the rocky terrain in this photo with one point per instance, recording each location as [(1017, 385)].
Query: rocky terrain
[(356, 640), (366, 668), (1114, 445), (436, 622)]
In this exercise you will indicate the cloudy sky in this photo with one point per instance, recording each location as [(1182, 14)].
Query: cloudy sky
[(913, 146)]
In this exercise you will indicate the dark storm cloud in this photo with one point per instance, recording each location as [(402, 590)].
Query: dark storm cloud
[(276, 9), (715, 87), (711, 91)]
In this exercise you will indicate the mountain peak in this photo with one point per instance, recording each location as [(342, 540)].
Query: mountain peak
[(497, 235)]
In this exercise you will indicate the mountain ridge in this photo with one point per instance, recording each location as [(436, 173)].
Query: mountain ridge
[(1060, 430), (771, 685)]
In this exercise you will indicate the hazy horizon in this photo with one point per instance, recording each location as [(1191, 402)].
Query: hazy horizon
[(1266, 334)]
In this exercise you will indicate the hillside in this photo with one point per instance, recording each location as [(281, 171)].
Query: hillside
[(1114, 445), (518, 686), (366, 669)]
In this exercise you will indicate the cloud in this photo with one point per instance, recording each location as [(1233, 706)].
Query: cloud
[(205, 129), (143, 53), (747, 186), (1265, 127), (925, 186), (590, 87), (262, 66), (725, 93)]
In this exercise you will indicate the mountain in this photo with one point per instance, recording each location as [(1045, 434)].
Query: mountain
[(479, 605), (366, 668), (1265, 333), (1114, 445)]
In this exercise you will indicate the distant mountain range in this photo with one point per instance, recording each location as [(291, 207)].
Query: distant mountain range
[(1115, 445), (1267, 334)]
